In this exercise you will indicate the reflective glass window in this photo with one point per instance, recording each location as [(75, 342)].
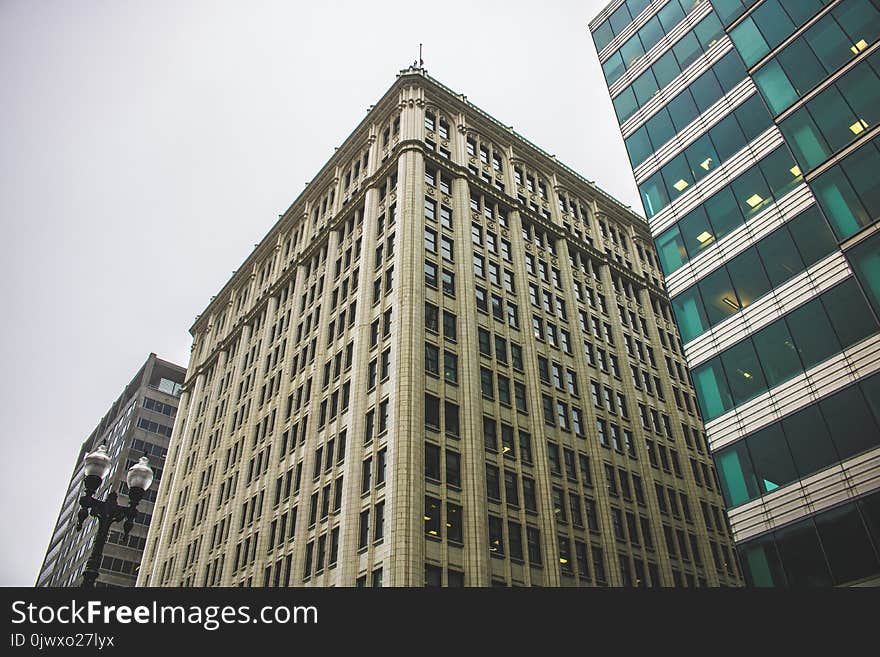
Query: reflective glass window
[(701, 157), (861, 88), (777, 353), (723, 211), (728, 137), (739, 483), (839, 202), (671, 251), (670, 15), (850, 316), (677, 176), (860, 19), (706, 91), (749, 41), (809, 441), (802, 557), (851, 423), (831, 45), (751, 192), (760, 560), (833, 118), (710, 385), (638, 146), (780, 256), (861, 168), (812, 235), (813, 336), (775, 86), (781, 172), (683, 110), (660, 129), (806, 141), (687, 49), (753, 117), (771, 458), (625, 104), (645, 86), (696, 232), (690, 314), (748, 276), (653, 193), (665, 69), (846, 544), (718, 296), (744, 375), (729, 70), (774, 21), (865, 261)]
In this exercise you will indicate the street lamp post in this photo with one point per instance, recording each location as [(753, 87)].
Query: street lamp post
[(108, 511)]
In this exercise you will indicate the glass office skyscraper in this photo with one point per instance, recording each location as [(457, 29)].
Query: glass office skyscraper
[(752, 128)]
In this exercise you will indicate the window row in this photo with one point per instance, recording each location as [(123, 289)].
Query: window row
[(647, 36), (451, 474), (617, 22), (509, 444), (447, 245), (558, 338), (558, 411), (776, 258), (327, 494), (849, 192), (440, 528), (486, 341), (785, 348), (834, 547), (318, 552), (434, 323), (541, 298), (833, 430), (378, 525), (573, 462), (729, 10), (450, 363), (836, 116), (864, 259), (446, 278), (669, 66), (436, 124), (733, 205), (686, 106), (490, 209), (492, 243), (771, 24), (373, 475), (563, 378), (450, 419), (501, 310), (496, 276), (836, 38), (513, 546), (432, 213), (487, 389), (708, 152)]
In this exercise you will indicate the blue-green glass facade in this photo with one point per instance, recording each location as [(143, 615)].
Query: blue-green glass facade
[(753, 129)]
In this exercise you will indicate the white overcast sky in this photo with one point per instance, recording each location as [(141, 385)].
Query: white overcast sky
[(145, 147)]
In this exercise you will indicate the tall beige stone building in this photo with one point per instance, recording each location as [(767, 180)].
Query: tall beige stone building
[(451, 362)]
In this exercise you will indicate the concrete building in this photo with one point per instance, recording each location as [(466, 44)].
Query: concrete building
[(138, 423), (450, 362), (752, 129)]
